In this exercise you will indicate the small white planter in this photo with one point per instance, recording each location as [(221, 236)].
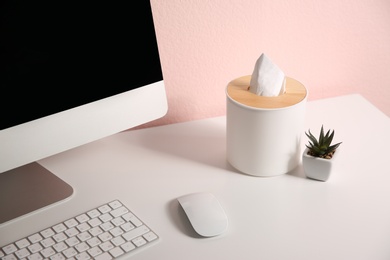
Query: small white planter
[(318, 168)]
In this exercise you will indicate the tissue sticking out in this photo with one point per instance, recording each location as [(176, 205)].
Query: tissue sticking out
[(267, 79)]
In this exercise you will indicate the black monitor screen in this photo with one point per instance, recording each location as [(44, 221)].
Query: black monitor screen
[(55, 55)]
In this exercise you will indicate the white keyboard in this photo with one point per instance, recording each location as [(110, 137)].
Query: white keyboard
[(106, 232)]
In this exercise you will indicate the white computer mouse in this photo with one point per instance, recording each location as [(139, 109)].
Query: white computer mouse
[(205, 213)]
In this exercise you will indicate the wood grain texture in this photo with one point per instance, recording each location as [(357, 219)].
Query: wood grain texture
[(238, 90)]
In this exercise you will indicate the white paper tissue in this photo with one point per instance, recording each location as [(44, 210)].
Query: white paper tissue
[(267, 78)]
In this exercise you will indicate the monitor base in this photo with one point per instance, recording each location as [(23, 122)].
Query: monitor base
[(29, 188)]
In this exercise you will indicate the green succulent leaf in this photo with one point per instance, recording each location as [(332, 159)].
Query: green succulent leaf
[(321, 139), (334, 147), (312, 138), (328, 139)]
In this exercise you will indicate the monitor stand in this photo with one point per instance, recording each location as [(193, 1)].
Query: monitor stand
[(28, 188)]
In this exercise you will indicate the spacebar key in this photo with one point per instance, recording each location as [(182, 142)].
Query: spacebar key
[(136, 232)]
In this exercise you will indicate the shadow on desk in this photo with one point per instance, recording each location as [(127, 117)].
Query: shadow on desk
[(297, 172), (200, 141)]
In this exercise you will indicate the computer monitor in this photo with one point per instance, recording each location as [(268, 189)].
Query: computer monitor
[(71, 72)]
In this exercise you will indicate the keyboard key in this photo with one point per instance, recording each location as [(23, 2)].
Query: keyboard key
[(116, 231), (60, 247), (59, 237), (82, 218), (10, 249), (117, 241), (72, 241), (47, 233), (93, 213), (139, 241), (84, 236), (83, 256), (34, 248), (10, 257), (128, 246), (83, 227), (106, 246), (95, 222), (47, 252), (105, 217), (95, 231), (94, 251), (119, 211), (150, 236), (115, 204), (116, 252), (35, 238), (59, 228), (118, 221), (94, 241), (58, 256), (105, 236), (133, 219), (22, 243), (104, 256), (104, 209), (35, 256), (48, 242), (70, 252), (127, 226), (71, 232), (135, 233), (71, 223), (22, 253), (107, 226), (82, 247)]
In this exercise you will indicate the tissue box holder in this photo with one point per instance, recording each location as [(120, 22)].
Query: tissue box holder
[(264, 133)]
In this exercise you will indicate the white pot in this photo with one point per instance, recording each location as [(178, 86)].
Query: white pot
[(318, 168)]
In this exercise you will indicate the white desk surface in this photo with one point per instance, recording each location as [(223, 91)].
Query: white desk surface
[(283, 217)]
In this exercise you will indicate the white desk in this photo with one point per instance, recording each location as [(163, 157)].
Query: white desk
[(283, 217)]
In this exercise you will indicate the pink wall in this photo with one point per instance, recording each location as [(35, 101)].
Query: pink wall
[(333, 47)]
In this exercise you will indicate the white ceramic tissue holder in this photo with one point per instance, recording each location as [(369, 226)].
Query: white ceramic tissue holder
[(264, 133)]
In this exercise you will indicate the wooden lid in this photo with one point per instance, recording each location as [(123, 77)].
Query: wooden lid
[(238, 90)]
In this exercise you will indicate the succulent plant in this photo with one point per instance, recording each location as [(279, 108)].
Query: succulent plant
[(322, 147)]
